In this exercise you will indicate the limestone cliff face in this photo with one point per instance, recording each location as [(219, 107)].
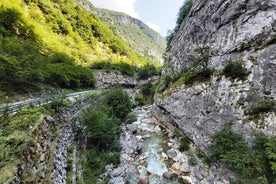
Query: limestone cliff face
[(241, 30)]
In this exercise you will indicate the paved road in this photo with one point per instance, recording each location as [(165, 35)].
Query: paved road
[(13, 107)]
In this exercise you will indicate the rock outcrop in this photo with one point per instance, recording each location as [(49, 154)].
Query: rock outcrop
[(232, 31), (108, 79)]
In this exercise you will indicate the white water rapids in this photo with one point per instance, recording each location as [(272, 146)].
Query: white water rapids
[(143, 143)]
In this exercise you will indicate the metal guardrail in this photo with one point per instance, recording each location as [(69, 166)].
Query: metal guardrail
[(13, 107)]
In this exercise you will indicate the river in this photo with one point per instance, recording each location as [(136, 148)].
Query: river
[(144, 156)]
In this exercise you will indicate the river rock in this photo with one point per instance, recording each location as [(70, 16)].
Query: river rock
[(181, 167), (143, 181), (171, 153), (117, 180), (132, 127), (117, 172), (169, 175), (187, 180), (164, 155), (146, 136)]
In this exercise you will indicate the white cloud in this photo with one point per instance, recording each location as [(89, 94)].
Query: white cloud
[(126, 6), (153, 26)]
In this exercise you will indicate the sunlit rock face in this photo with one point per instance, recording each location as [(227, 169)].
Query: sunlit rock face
[(233, 31)]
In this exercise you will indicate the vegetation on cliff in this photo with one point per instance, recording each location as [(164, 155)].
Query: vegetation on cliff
[(182, 13), (254, 164)]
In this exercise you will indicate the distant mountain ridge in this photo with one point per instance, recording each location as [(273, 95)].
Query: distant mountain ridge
[(140, 36)]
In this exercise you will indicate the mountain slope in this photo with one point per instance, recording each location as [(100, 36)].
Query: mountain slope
[(53, 43), (141, 38)]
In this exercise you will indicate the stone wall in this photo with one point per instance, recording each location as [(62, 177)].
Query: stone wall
[(45, 158)]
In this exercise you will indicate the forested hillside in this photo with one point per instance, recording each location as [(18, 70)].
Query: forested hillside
[(141, 37), (54, 43)]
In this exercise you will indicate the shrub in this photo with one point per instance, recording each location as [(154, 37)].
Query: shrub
[(70, 76), (235, 70), (9, 18), (123, 68), (271, 153), (147, 71), (130, 118), (119, 102), (146, 94), (231, 149), (184, 144), (95, 164), (102, 131), (164, 83), (263, 106), (60, 57), (190, 78)]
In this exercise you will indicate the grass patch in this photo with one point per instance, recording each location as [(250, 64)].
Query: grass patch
[(263, 106), (190, 77), (16, 130), (184, 144)]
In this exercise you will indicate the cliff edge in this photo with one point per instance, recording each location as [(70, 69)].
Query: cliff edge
[(224, 37)]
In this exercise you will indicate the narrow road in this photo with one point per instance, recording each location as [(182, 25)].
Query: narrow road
[(13, 107)]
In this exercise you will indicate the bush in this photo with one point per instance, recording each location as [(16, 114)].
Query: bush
[(102, 131), (123, 68), (147, 71), (119, 102), (190, 78), (95, 164), (184, 144), (263, 106), (130, 118), (271, 153), (231, 149), (70, 76), (146, 94), (164, 83), (235, 70)]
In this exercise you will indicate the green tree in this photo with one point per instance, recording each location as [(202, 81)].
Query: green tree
[(101, 130), (119, 101)]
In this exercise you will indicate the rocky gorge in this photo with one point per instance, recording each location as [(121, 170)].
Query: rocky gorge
[(232, 32), (150, 154)]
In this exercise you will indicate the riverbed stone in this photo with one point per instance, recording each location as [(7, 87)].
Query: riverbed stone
[(132, 127), (187, 180), (164, 156), (169, 175), (117, 172), (171, 153)]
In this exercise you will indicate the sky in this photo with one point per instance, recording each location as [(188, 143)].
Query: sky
[(160, 15)]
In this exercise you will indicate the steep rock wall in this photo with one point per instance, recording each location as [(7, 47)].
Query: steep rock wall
[(233, 30)]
